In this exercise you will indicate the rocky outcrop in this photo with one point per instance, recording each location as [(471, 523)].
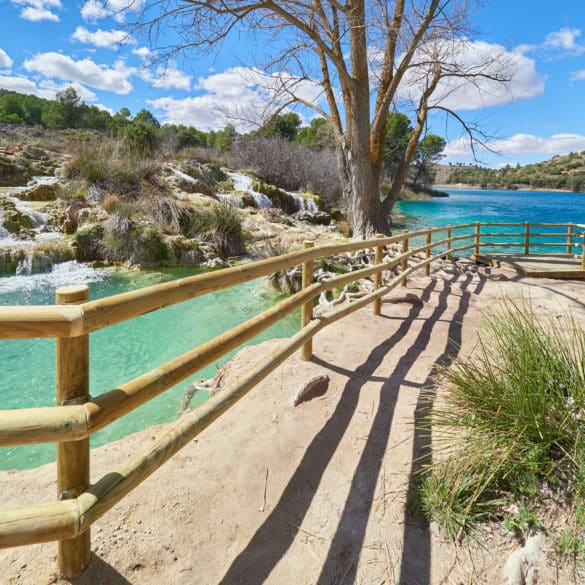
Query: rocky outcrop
[(13, 172), (12, 219), (19, 162), (314, 217), (185, 182), (69, 214), (195, 186), (40, 192)]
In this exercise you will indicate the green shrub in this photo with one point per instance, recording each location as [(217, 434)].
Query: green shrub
[(140, 138), (226, 232), (104, 163), (512, 419), (91, 162)]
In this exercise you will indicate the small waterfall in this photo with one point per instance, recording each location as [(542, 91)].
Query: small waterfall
[(63, 274), (31, 256), (244, 184), (304, 203), (310, 204), (5, 237), (26, 258), (241, 182), (183, 175), (262, 201), (25, 266)]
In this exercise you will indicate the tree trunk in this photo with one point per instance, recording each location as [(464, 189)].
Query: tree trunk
[(361, 184)]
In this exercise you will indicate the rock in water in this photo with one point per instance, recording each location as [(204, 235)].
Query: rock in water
[(316, 386)]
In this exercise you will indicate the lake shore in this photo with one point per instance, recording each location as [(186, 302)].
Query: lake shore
[(465, 186), (272, 493)]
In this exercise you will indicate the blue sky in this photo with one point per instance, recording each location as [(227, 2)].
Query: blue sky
[(46, 45)]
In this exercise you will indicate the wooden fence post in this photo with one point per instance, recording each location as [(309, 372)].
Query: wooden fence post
[(429, 240), (570, 239), (307, 308), (72, 387), (404, 250), (378, 276), (448, 257), (476, 245), (526, 238)]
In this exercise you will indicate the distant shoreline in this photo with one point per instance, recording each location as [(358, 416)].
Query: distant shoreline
[(464, 186)]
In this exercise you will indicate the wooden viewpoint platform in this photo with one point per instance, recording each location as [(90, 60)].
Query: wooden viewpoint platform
[(562, 266)]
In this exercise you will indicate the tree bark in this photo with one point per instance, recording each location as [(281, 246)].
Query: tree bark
[(361, 179)]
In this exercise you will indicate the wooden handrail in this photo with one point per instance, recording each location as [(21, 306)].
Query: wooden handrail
[(70, 519), (63, 423)]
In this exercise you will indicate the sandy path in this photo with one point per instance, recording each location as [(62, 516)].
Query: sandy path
[(336, 470)]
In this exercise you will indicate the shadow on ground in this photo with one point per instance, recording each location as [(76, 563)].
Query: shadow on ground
[(273, 538), (99, 572)]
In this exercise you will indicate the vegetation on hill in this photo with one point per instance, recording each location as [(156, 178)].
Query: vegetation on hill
[(281, 151), (560, 172)]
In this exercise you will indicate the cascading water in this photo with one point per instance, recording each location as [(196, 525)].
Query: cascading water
[(183, 175), (28, 256), (245, 184)]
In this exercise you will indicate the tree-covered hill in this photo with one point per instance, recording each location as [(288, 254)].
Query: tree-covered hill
[(560, 172)]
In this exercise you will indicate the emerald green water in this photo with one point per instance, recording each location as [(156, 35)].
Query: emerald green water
[(121, 352)]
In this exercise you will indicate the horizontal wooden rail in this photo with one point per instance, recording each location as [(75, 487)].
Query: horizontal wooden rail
[(548, 235), (55, 321), (65, 423), (550, 244), (70, 518), (22, 322), (501, 244), (501, 235)]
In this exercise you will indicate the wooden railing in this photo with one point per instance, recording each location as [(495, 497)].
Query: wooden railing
[(78, 415)]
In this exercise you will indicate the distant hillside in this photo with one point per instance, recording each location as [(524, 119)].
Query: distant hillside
[(565, 172)]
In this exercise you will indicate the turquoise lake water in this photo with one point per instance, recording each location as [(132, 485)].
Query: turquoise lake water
[(468, 206), (121, 352)]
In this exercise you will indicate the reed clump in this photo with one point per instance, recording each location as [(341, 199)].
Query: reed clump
[(510, 429)]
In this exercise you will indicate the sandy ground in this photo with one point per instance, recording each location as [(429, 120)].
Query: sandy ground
[(313, 494)]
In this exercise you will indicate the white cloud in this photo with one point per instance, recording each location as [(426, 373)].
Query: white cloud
[(38, 10), (469, 67), (565, 40), (104, 108), (523, 144), (203, 112), (168, 78), (578, 75), (93, 10), (108, 39), (239, 95), (143, 52), (5, 60), (563, 43), (48, 85), (113, 78), (46, 89), (24, 85)]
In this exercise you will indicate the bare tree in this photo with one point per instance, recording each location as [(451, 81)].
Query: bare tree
[(363, 56)]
